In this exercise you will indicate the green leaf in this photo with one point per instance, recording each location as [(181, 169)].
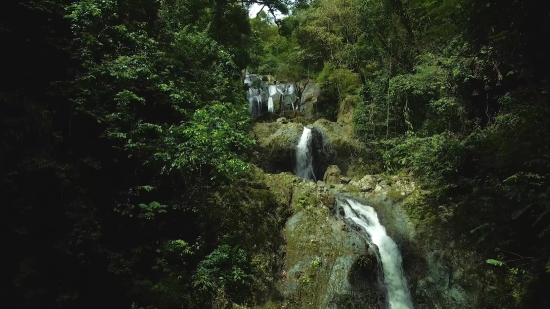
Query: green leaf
[(495, 262)]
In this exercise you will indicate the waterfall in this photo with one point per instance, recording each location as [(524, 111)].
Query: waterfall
[(290, 89), (366, 218), (304, 160), (270, 105), (272, 91), (260, 93), (251, 105), (259, 102)]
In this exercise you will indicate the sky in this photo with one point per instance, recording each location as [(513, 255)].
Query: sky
[(255, 8)]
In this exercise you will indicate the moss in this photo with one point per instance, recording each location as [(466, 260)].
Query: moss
[(302, 120), (268, 305), (282, 186), (305, 243), (417, 210), (291, 114), (345, 113), (395, 195), (267, 117), (352, 189), (327, 200), (275, 151)]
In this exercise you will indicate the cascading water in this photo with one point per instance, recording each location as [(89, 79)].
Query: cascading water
[(262, 97), (289, 90), (259, 102), (272, 91), (270, 106), (366, 218), (304, 160)]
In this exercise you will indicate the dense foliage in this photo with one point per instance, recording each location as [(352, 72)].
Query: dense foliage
[(455, 92), (122, 123)]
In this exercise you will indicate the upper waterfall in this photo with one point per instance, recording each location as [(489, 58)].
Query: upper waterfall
[(269, 96)]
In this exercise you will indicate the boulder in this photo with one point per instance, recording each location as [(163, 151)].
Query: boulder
[(365, 184), (276, 145), (282, 120), (347, 152), (332, 174)]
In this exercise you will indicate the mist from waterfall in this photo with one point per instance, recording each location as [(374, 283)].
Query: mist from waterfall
[(304, 160), (366, 219)]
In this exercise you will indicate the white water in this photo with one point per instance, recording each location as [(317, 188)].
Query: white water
[(272, 90), (303, 155), (259, 102), (290, 89), (396, 284), (270, 105)]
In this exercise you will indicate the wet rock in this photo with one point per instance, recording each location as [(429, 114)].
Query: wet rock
[(365, 184)]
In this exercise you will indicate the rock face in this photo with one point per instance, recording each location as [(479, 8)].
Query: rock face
[(328, 265), (348, 152), (276, 142), (321, 152), (311, 96), (276, 145)]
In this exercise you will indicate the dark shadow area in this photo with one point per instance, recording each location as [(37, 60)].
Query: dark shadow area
[(367, 286)]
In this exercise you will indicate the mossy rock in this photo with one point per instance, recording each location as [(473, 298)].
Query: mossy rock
[(267, 117), (302, 120), (327, 200), (282, 186), (345, 149), (320, 256), (291, 114), (276, 146)]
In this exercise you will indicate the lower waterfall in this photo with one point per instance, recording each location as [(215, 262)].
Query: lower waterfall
[(366, 219)]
